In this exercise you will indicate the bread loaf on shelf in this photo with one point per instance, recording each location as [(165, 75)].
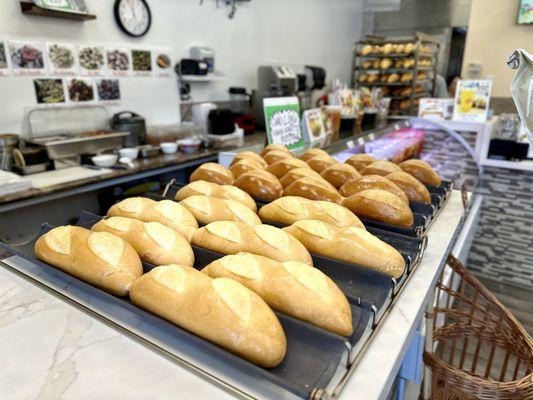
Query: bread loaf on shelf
[(320, 163), (367, 182), (338, 174), (212, 172), (381, 167), (291, 287), (166, 212), (274, 146), (243, 166), (248, 155), (360, 161), (228, 237), (288, 210), (350, 244), (276, 155), (97, 258), (297, 173), (412, 187), (219, 191), (422, 171), (313, 189), (154, 242), (380, 205), (260, 184), (283, 166), (210, 209), (310, 153), (220, 310)]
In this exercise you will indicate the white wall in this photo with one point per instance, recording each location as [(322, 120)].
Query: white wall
[(295, 31)]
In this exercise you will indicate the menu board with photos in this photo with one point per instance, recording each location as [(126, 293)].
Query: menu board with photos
[(4, 67), (141, 61), (27, 58), (92, 60), (80, 90), (162, 63), (282, 121), (471, 102), (61, 59), (49, 91), (108, 91), (118, 61)]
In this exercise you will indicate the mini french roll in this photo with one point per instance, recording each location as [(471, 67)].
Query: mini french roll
[(154, 242), (320, 163), (381, 167), (360, 161), (211, 189), (276, 155), (283, 166), (274, 146), (166, 212), (291, 287), (97, 258), (313, 189), (349, 244), (422, 171), (313, 153), (372, 182), (413, 188), (260, 184), (290, 209), (249, 155), (210, 209), (338, 174), (243, 166), (229, 237), (380, 205), (212, 172), (220, 310), (294, 174)]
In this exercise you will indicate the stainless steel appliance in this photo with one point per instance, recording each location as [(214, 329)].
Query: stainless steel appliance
[(127, 121), (205, 54)]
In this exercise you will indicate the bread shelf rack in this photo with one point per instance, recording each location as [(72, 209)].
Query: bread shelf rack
[(368, 53)]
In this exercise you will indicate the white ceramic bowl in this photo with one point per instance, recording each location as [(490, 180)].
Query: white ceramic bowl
[(105, 160), (189, 145), (130, 152), (169, 147)]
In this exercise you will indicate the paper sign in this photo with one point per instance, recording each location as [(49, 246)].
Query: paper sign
[(435, 108), (314, 127), (282, 120), (118, 61), (4, 68), (27, 58), (61, 59), (472, 100), (92, 60)]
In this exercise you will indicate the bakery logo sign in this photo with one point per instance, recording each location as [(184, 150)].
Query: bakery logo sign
[(282, 116)]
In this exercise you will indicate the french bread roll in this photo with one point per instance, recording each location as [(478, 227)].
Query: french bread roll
[(381, 167), (274, 146), (290, 209), (228, 237), (380, 205), (350, 244), (320, 163), (97, 258), (260, 184), (422, 171), (220, 310), (412, 187), (338, 174), (291, 287), (283, 166), (243, 166), (249, 155), (310, 153), (212, 172), (166, 212), (297, 173), (210, 209), (154, 242), (219, 191), (313, 189), (360, 161), (276, 155), (372, 182)]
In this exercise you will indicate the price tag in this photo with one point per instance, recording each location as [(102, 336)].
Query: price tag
[(350, 144)]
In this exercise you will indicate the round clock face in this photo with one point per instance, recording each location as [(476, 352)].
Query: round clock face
[(133, 16)]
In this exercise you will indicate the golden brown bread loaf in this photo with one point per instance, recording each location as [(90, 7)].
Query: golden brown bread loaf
[(166, 212), (210, 209), (288, 210), (381, 167), (274, 146), (412, 187), (243, 166), (360, 161), (297, 173), (97, 258), (380, 205), (154, 242), (219, 191), (260, 184), (220, 310), (212, 172), (291, 287), (248, 155), (372, 182), (350, 244), (338, 174), (313, 189), (276, 155), (310, 153), (228, 237), (320, 163), (283, 166), (422, 171)]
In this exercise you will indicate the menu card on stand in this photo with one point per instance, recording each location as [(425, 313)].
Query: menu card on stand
[(314, 127), (472, 100), (435, 108), (282, 121)]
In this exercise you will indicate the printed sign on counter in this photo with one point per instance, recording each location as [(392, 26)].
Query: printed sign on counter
[(314, 127), (4, 67), (472, 100), (118, 61), (92, 60), (27, 59), (282, 120), (61, 59), (435, 108)]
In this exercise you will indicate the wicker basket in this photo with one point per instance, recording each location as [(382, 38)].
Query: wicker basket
[(482, 351)]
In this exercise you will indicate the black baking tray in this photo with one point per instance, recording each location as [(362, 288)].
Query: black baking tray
[(314, 356)]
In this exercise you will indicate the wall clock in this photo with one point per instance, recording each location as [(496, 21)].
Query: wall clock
[(133, 17)]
